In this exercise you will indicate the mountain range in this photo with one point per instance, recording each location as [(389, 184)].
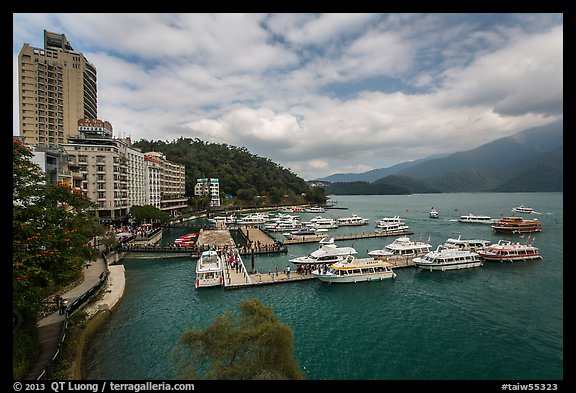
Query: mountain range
[(528, 161)]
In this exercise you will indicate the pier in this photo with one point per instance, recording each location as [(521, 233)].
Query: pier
[(317, 238)]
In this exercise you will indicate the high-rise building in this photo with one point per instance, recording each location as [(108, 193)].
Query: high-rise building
[(209, 187), (57, 87)]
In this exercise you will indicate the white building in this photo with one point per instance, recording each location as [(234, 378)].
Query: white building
[(208, 187)]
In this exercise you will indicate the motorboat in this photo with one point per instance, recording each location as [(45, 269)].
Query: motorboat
[(506, 250), (186, 240), (392, 227), (523, 209), (328, 253), (477, 219), (402, 248), (385, 221), (353, 220), (315, 209), (355, 270), (466, 244), (320, 222), (209, 269), (434, 213), (254, 219), (304, 231), (445, 258), (515, 224)]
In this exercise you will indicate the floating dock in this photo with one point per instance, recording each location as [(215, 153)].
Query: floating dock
[(317, 238)]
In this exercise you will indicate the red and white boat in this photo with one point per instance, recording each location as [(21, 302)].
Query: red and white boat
[(505, 250), (516, 224)]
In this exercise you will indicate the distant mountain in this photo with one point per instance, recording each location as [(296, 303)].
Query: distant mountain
[(528, 161), (500, 165), (375, 174)]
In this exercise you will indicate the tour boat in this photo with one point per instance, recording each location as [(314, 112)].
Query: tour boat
[(477, 219), (385, 221), (319, 222), (434, 213), (401, 248), (466, 244), (392, 227), (505, 250), (355, 270), (444, 258), (523, 209), (516, 224), (352, 220), (328, 253), (304, 231), (209, 269)]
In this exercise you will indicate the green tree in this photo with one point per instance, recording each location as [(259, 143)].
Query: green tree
[(149, 214), (254, 346), (51, 225)]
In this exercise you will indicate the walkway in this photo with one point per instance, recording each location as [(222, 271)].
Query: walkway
[(50, 328)]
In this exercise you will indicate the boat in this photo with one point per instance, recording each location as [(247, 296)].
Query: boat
[(515, 224), (286, 224), (523, 209), (220, 220), (319, 222), (446, 258), (466, 244), (355, 270), (505, 250), (402, 248), (254, 219), (353, 220), (477, 219), (315, 209), (304, 231), (434, 213), (385, 221), (392, 226), (186, 240), (209, 269), (328, 253)]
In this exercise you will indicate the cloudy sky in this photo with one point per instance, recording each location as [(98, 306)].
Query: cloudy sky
[(318, 93)]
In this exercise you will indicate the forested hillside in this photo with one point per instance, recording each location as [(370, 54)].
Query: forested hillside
[(240, 173)]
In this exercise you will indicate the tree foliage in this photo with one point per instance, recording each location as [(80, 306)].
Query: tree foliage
[(240, 173), (149, 214), (256, 345), (51, 226)]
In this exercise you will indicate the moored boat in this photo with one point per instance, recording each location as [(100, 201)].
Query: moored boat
[(505, 250), (477, 219), (515, 224), (209, 269), (466, 244), (444, 258), (355, 270), (402, 248), (353, 220), (328, 253)]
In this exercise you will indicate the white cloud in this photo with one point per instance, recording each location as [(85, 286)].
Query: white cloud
[(414, 85)]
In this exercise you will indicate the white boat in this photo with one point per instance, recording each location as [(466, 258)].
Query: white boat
[(479, 219), (231, 219), (209, 270), (523, 209), (302, 232), (288, 224), (385, 221), (254, 219), (393, 228), (355, 270), (434, 213), (319, 222), (466, 244), (444, 258), (353, 220), (402, 248), (328, 253), (315, 209), (505, 250)]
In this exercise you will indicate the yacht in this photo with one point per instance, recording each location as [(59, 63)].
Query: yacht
[(466, 244), (303, 231), (434, 213), (402, 248), (355, 270), (209, 269), (477, 219), (505, 250), (385, 221), (444, 258), (315, 209), (319, 222), (523, 209), (516, 224), (327, 254), (393, 228), (353, 220), (254, 219)]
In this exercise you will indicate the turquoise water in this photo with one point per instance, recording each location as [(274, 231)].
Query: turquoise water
[(499, 321)]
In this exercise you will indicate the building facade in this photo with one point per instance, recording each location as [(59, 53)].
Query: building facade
[(57, 87), (172, 184), (209, 187)]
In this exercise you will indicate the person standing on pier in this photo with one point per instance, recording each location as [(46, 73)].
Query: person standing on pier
[(288, 271)]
